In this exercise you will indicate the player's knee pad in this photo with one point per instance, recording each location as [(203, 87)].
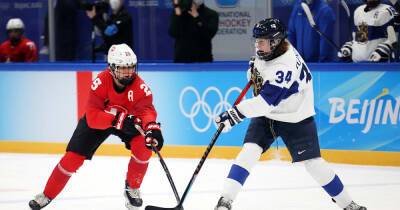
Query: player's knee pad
[(248, 156), (319, 170), (70, 163), (140, 153)]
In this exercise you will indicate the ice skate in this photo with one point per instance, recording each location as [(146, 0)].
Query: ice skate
[(224, 204), (133, 199), (39, 202), (354, 206)]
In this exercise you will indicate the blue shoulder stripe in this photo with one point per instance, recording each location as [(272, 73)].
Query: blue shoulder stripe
[(273, 95), (378, 32)]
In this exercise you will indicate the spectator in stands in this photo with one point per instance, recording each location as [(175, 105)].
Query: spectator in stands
[(375, 36), (312, 46), (116, 28), (193, 25), (17, 48)]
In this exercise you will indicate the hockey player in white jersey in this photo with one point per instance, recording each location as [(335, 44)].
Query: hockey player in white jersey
[(283, 105), (374, 37)]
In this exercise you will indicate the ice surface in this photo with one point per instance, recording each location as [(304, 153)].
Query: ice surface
[(272, 185)]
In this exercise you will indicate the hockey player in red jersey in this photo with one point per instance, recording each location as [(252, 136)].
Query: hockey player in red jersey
[(17, 48), (118, 100)]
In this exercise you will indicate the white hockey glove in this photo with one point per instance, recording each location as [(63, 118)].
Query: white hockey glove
[(230, 118), (346, 50), (381, 53)]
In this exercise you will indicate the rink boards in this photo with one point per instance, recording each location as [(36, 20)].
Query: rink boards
[(357, 108)]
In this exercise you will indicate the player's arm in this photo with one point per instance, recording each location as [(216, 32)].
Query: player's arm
[(272, 93), (145, 110), (384, 49), (2, 54), (280, 87), (31, 53)]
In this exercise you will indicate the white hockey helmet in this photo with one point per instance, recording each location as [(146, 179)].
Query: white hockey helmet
[(121, 55), (15, 23)]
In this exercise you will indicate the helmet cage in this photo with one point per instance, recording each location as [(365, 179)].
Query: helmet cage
[(125, 74), (273, 45)]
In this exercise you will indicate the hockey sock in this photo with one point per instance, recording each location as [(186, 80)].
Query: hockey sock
[(240, 170), (68, 165), (138, 163), (331, 183)]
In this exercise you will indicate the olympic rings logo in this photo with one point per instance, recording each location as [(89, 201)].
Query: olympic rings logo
[(201, 105)]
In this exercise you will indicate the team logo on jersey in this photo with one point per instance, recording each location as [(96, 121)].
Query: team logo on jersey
[(202, 109), (362, 33), (257, 81), (130, 95)]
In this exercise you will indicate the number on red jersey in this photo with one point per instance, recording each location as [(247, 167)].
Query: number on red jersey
[(96, 83), (146, 89)]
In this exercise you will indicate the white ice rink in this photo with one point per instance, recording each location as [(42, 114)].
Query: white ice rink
[(272, 185)]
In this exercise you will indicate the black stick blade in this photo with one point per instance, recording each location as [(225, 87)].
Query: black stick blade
[(161, 208)]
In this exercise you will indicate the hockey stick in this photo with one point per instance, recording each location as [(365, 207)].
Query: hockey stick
[(310, 18), (202, 160), (347, 10), (167, 173)]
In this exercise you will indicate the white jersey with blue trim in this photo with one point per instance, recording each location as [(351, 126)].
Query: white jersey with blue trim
[(371, 29), (283, 89)]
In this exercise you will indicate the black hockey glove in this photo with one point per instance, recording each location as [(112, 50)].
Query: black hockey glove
[(126, 123), (230, 118), (153, 136)]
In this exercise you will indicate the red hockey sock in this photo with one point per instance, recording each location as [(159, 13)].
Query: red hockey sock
[(138, 163), (68, 165)]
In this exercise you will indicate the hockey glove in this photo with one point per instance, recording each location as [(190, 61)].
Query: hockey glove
[(126, 123), (346, 51), (230, 118), (381, 53), (153, 136)]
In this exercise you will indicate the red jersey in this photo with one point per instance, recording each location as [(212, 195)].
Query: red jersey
[(136, 99), (24, 51)]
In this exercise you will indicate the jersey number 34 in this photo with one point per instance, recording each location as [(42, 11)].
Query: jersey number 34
[(282, 77)]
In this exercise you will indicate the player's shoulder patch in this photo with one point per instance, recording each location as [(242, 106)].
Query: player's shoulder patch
[(390, 10)]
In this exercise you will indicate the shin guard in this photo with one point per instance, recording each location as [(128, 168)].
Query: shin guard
[(240, 170), (68, 165), (138, 163), (328, 180)]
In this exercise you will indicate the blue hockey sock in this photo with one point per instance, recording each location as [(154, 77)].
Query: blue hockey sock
[(238, 174), (328, 180), (240, 170)]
